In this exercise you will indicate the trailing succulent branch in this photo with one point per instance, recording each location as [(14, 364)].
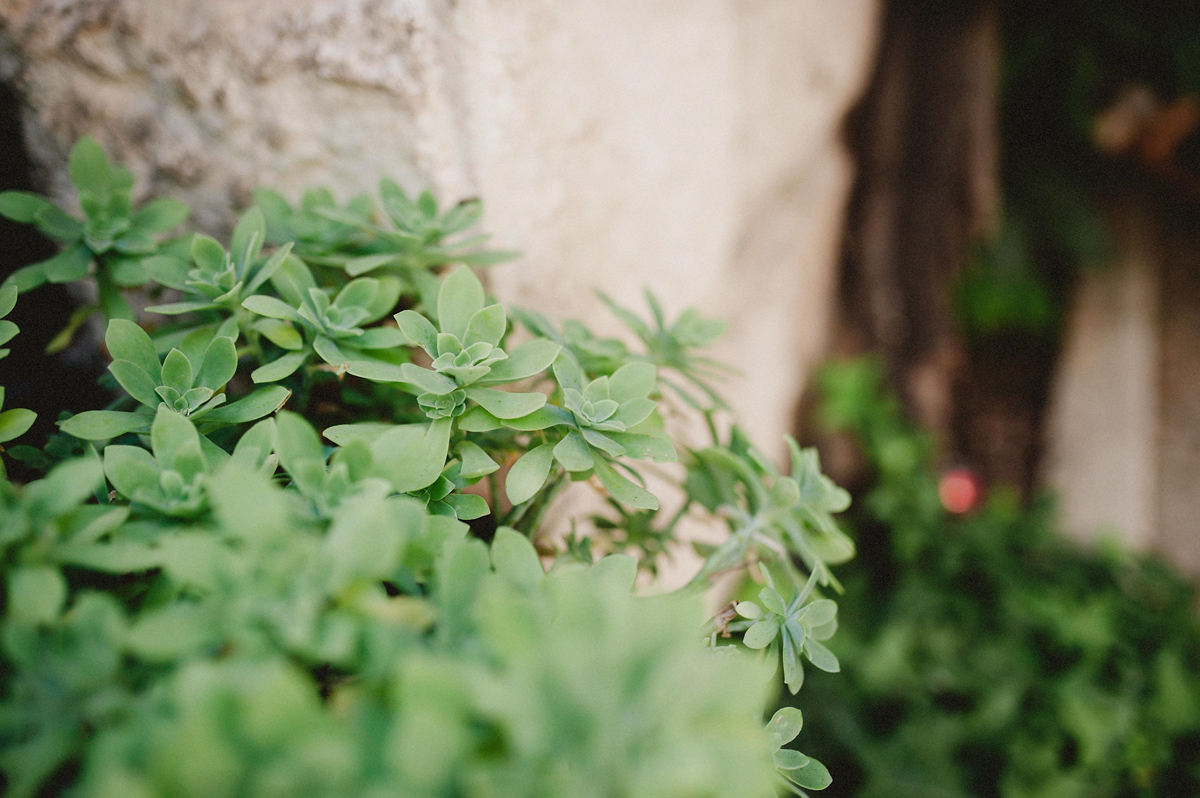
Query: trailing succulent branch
[(251, 573)]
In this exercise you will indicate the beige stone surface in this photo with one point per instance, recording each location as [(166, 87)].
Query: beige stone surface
[(1103, 440), (691, 146)]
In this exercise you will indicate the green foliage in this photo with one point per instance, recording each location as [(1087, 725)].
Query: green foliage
[(16, 421), (113, 235), (1062, 65), (1000, 290), (984, 655), (211, 595)]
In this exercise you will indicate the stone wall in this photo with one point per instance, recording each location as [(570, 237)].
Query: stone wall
[(1124, 437)]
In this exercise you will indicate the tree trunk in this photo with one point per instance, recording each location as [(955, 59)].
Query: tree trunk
[(925, 136)]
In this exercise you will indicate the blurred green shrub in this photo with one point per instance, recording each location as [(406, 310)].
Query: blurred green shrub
[(986, 656)]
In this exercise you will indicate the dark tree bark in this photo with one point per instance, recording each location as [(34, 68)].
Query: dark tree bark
[(1178, 533), (925, 137)]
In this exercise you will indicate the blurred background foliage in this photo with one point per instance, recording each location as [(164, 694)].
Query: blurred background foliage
[(1093, 96), (983, 654)]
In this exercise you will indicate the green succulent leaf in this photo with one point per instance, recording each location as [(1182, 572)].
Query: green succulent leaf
[(504, 405), (528, 359), (8, 299), (270, 307), (102, 425), (762, 634), (460, 298), (811, 776), (785, 724), (127, 341), (130, 468), (343, 434), (789, 759), (15, 423), (486, 326), (280, 333), (22, 206), (467, 506), (160, 215), (136, 382), (36, 595), (624, 491), (177, 371), (261, 403), (574, 453), (820, 656), (426, 380), (411, 456), (632, 381), (515, 559), (418, 330), (279, 368), (475, 461), (529, 473), (88, 166), (219, 364)]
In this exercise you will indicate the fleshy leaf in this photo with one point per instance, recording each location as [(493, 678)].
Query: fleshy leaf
[(15, 423), (36, 595), (486, 326), (280, 368), (475, 461), (622, 489), (528, 474), (219, 364), (262, 402), (821, 657), (467, 506), (270, 307), (786, 724), (573, 452), (128, 341), (515, 559), (129, 468), (102, 425), (813, 776), (632, 381), (411, 456), (531, 357), (343, 434), (640, 447), (87, 164), (762, 633), (460, 298), (136, 382), (160, 215), (505, 405), (418, 330), (177, 371)]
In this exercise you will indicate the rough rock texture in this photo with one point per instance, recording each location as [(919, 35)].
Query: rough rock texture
[(1124, 443), (688, 145), (1102, 446)]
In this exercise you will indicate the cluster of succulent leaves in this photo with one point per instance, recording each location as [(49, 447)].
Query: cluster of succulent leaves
[(986, 655), (252, 573)]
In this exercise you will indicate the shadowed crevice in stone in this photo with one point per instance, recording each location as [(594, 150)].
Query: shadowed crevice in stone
[(31, 379)]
